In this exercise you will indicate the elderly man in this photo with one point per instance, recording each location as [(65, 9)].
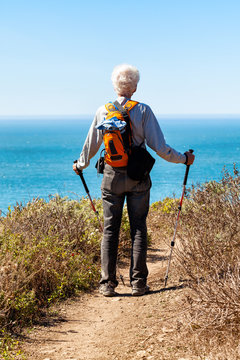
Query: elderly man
[(117, 186)]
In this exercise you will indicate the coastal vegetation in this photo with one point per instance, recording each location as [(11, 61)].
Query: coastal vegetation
[(207, 261), (209, 258), (50, 251)]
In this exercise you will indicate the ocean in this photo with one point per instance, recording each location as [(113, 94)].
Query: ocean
[(36, 156)]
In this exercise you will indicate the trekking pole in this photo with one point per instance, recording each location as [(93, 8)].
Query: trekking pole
[(96, 212), (178, 215), (89, 196)]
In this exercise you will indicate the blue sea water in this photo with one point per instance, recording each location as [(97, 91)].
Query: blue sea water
[(36, 156)]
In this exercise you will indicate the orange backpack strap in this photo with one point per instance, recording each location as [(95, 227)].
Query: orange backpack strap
[(110, 107), (113, 111), (130, 105)]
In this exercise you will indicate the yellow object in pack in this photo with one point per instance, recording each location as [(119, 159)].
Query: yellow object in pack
[(117, 143)]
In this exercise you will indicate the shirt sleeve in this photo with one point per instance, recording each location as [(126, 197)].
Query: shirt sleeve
[(92, 144), (156, 141)]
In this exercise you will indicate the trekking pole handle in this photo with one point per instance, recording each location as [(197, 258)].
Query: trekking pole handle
[(187, 171), (82, 178)]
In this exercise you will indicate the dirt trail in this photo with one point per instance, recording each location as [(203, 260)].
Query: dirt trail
[(123, 327)]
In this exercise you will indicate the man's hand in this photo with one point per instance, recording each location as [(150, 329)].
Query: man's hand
[(189, 158), (75, 168)]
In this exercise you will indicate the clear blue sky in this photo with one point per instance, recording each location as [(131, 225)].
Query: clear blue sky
[(56, 56)]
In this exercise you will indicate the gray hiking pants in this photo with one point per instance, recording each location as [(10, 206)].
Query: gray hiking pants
[(116, 186)]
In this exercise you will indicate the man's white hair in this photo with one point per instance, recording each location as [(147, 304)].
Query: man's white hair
[(125, 79)]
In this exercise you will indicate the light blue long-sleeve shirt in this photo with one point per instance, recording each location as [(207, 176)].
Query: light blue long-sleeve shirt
[(145, 129)]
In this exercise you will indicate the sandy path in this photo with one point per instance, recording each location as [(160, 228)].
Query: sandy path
[(123, 327)]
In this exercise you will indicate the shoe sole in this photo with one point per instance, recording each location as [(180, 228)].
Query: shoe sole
[(140, 292), (108, 293)]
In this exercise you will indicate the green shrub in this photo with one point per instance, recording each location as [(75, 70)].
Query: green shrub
[(9, 347), (49, 250)]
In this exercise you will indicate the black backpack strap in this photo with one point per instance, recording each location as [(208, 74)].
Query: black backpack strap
[(122, 110), (128, 133)]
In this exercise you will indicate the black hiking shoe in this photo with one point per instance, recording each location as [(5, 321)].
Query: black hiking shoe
[(107, 289), (139, 291)]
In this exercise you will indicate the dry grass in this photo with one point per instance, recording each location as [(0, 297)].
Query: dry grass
[(209, 258)]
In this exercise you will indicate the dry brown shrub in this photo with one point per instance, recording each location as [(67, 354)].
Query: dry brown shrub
[(209, 258)]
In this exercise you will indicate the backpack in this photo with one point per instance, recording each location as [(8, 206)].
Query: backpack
[(118, 140), (119, 148)]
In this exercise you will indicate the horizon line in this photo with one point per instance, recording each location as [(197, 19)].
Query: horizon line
[(77, 116)]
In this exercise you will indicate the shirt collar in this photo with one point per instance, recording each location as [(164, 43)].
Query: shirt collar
[(122, 99)]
